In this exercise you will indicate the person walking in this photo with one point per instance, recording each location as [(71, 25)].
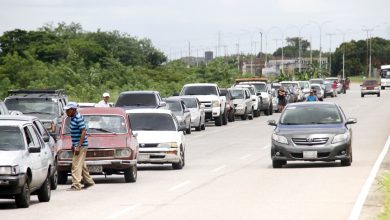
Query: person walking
[(104, 102), (281, 99), (334, 87), (311, 97), (79, 147)]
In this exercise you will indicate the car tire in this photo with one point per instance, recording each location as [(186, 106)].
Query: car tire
[(203, 126), (346, 162), (225, 118), (188, 131), (62, 177), (382, 87), (22, 200), (54, 179), (244, 116), (379, 95), (131, 174), (251, 115), (181, 163), (362, 95), (231, 116), (278, 163), (271, 109), (199, 127), (266, 112), (44, 192), (256, 113), (218, 120)]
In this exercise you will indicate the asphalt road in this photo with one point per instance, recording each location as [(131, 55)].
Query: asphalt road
[(228, 175)]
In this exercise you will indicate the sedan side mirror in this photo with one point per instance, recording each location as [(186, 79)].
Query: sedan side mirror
[(271, 123), (163, 104), (135, 134), (186, 110), (351, 121), (34, 149)]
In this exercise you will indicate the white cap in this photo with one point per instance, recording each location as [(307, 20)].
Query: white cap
[(106, 94)]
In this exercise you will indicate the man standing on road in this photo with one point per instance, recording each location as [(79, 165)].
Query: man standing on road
[(312, 97), (79, 146), (281, 99), (104, 102)]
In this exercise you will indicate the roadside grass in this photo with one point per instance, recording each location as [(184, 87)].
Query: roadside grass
[(385, 182), (356, 79)]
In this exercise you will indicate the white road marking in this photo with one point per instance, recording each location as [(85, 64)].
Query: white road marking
[(357, 208), (117, 214), (218, 169), (179, 186), (245, 156), (266, 146)]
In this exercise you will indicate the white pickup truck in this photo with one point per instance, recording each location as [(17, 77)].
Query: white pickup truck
[(385, 76), (210, 96)]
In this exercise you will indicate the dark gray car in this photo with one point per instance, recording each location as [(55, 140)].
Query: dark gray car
[(312, 131)]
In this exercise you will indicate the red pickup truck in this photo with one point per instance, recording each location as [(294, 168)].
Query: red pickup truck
[(112, 146)]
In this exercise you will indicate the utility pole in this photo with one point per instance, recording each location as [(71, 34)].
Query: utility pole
[(261, 45), (251, 54), (238, 56), (219, 44), (311, 51), (368, 40), (197, 57), (330, 52), (189, 54)]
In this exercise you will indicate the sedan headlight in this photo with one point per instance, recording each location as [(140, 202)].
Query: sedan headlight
[(125, 152), (168, 145), (65, 155), (215, 103), (9, 170), (279, 138), (340, 138)]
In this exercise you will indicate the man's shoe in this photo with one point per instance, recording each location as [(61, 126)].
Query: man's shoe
[(86, 186), (72, 188)]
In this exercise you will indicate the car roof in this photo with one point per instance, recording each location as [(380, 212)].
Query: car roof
[(187, 97), (17, 118), (13, 123), (139, 92), (308, 104), (173, 99), (102, 111), (200, 84), (315, 84), (148, 111)]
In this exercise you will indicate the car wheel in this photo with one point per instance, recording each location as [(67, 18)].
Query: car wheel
[(382, 87), (181, 163), (379, 95), (188, 131), (62, 177), (54, 179), (271, 110), (251, 115), (44, 192), (131, 174), (199, 127), (230, 116), (278, 163), (362, 95), (244, 116), (218, 120), (346, 162), (266, 112), (225, 118), (22, 200), (203, 126)]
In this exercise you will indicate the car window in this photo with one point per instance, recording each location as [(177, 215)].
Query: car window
[(190, 102), (174, 106), (29, 138), (152, 122), (370, 82), (38, 137), (304, 115), (237, 94), (33, 135), (136, 100), (100, 124), (42, 131), (11, 138), (199, 90), (33, 106)]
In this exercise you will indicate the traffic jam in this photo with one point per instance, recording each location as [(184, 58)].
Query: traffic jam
[(36, 148)]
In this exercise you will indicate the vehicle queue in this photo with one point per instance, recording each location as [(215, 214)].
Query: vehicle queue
[(144, 128)]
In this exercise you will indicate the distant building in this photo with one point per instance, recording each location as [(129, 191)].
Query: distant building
[(208, 56), (252, 67), (274, 66)]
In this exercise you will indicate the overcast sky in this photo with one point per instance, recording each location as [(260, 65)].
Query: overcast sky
[(171, 24)]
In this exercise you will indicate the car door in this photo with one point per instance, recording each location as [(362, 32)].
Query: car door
[(34, 159), (43, 132), (44, 153)]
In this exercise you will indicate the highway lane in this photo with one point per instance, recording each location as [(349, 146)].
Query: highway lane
[(228, 175)]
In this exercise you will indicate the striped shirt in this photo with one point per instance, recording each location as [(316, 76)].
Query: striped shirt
[(76, 125)]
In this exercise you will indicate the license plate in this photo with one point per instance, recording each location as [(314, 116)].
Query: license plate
[(95, 169), (309, 154), (143, 157)]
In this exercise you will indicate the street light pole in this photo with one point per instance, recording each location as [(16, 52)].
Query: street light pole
[(330, 53), (320, 26)]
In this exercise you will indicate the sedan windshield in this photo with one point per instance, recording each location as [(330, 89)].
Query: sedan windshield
[(101, 124), (370, 83), (237, 94), (315, 114), (11, 138), (200, 90), (136, 100), (190, 102), (152, 122), (33, 106)]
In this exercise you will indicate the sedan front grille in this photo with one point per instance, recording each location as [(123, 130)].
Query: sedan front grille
[(147, 145), (310, 141), (206, 104), (92, 153)]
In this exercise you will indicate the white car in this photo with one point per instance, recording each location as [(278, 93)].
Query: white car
[(255, 99), (161, 139), (242, 102), (318, 88), (25, 163), (198, 118)]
